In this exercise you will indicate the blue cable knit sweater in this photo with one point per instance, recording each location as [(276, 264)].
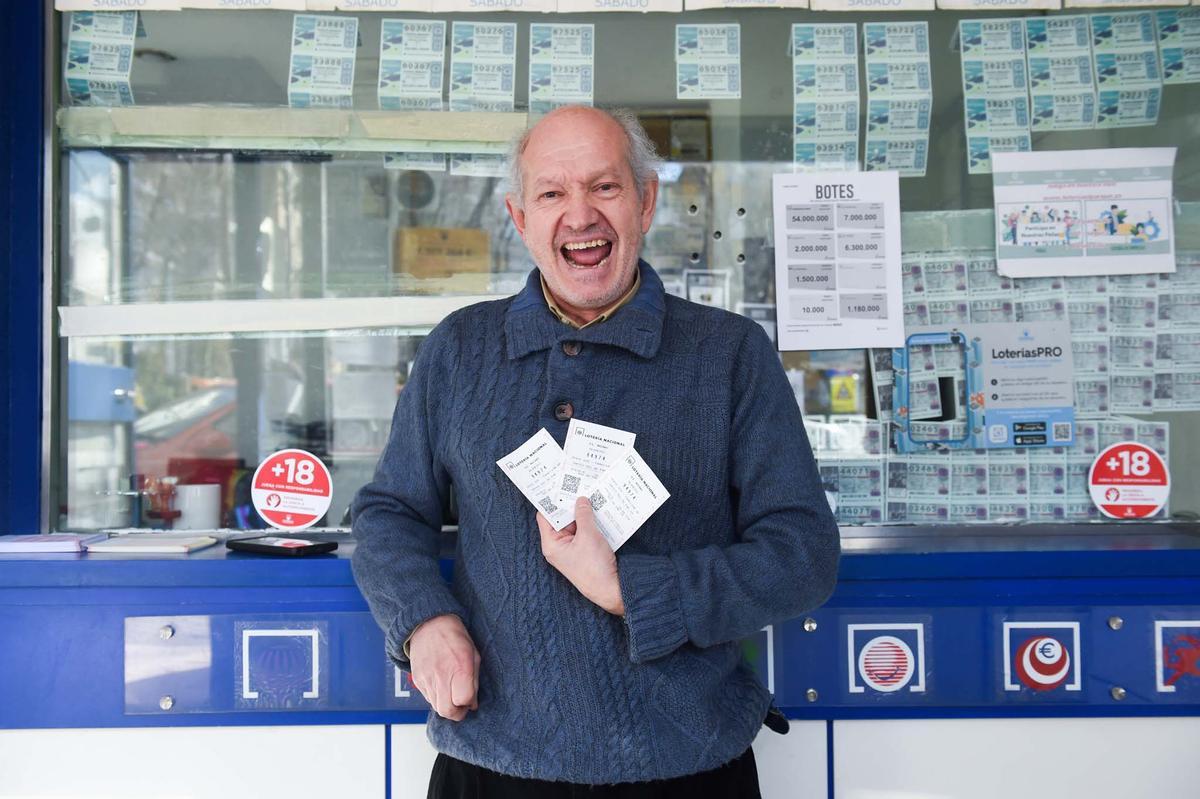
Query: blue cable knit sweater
[(567, 691)]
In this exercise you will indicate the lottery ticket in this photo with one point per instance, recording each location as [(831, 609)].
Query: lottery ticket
[(1042, 511), (1156, 435), (1060, 73), (1127, 70), (322, 61), (1091, 394), (1008, 476), (1132, 393), (898, 116), (1088, 315), (992, 114), (935, 432), (916, 314), (1184, 307), (1121, 32), (968, 474), (1180, 348), (99, 60), (980, 149), (968, 511), (924, 400), (483, 65), (949, 312), (858, 512), (1126, 108), (855, 478), (918, 512), (424, 162), (1114, 431), (1002, 511), (811, 81), (561, 68), (1087, 439), (1081, 511), (1042, 310), (907, 155), (826, 119), (944, 277), (1128, 283), (1053, 35), (891, 40), (993, 309), (823, 43), (1064, 111), (533, 468), (832, 154), (1179, 44), (992, 37), (95, 91), (708, 62), (856, 437), (478, 164), (898, 78), (1134, 312), (1048, 478), (412, 56), (590, 450), (1086, 286), (994, 76), (1176, 389), (928, 477), (1090, 354), (1036, 288), (625, 497), (1133, 352), (1180, 64), (1077, 478)]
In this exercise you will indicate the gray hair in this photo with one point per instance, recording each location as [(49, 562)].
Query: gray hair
[(643, 160)]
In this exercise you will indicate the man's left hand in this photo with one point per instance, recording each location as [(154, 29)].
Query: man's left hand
[(582, 555)]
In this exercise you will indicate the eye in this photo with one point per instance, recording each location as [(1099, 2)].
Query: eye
[(607, 187), (549, 195)]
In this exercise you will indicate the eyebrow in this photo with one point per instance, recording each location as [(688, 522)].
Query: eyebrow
[(605, 174)]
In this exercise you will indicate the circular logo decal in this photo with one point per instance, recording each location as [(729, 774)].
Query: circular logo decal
[(1129, 481), (1042, 663), (291, 489), (886, 663)]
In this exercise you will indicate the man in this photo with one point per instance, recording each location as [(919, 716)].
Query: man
[(550, 662)]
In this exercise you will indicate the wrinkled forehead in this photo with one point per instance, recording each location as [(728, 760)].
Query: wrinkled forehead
[(578, 147)]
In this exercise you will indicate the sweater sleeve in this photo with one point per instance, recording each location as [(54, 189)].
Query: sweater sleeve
[(785, 558), (397, 517)]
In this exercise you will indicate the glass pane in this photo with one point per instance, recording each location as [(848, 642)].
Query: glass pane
[(205, 410)]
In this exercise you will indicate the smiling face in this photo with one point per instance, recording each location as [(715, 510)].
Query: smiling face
[(580, 214)]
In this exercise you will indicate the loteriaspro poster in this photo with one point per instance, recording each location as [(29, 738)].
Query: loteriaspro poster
[(1084, 212)]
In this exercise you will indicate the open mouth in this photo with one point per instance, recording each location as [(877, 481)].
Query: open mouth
[(586, 253)]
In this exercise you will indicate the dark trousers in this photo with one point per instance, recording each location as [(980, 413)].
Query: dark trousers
[(454, 779)]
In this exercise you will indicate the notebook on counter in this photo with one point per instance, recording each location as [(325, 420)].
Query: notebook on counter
[(156, 543), (55, 542)]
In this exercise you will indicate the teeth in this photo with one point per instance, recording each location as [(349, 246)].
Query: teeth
[(583, 245)]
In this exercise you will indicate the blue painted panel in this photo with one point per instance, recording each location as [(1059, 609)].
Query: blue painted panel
[(99, 393)]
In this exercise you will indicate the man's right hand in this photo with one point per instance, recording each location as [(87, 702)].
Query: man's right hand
[(445, 666)]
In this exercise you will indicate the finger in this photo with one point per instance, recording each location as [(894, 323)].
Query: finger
[(584, 513), (462, 689), (475, 680)]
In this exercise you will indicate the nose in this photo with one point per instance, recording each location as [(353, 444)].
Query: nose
[(580, 213)]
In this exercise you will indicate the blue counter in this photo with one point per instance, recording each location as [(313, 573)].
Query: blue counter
[(998, 623)]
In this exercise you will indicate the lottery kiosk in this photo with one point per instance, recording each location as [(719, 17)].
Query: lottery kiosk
[(972, 231)]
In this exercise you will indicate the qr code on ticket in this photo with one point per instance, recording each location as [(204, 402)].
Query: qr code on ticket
[(570, 483)]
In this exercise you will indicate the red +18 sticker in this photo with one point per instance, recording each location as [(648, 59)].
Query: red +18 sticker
[(1129, 481), (291, 489)]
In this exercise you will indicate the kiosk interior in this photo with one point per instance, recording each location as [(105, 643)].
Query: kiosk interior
[(256, 216)]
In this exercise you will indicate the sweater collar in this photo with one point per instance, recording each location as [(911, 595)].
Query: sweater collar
[(529, 326)]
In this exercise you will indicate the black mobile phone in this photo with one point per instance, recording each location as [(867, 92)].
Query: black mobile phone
[(276, 545)]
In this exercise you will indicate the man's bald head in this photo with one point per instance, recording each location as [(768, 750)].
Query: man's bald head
[(621, 123)]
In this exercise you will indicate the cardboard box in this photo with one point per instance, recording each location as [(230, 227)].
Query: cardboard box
[(427, 252)]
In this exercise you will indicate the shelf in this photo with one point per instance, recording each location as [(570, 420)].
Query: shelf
[(289, 129)]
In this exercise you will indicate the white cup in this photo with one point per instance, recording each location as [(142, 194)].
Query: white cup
[(200, 506)]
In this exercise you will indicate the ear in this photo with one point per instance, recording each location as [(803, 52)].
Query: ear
[(649, 203), (516, 213)]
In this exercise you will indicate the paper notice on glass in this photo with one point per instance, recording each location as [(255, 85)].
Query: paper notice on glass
[(708, 62), (533, 467), (1084, 212), (625, 497), (590, 450), (837, 265), (100, 48)]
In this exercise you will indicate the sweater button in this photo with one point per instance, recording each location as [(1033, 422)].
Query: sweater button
[(564, 411), (572, 348)]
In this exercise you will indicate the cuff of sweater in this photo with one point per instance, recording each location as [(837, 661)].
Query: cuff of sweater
[(412, 617), (653, 614)]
